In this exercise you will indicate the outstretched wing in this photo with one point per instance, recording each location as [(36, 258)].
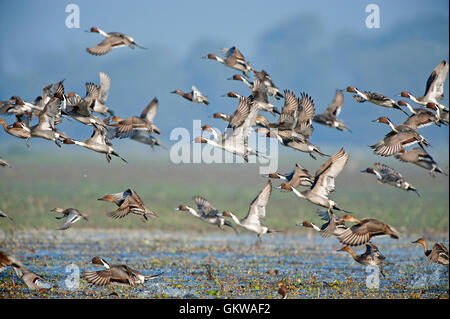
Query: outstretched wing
[(205, 206), (335, 106), (325, 175), (257, 211)]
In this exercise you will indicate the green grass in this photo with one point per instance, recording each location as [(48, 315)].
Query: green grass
[(40, 182)]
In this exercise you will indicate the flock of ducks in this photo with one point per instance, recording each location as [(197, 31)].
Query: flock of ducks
[(293, 129)]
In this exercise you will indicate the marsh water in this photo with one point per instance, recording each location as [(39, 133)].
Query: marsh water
[(218, 265)]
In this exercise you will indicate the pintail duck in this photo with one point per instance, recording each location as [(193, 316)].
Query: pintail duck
[(256, 213), (100, 102), (371, 257), (232, 58), (421, 117), (194, 96), (434, 90), (441, 115), (387, 175), (323, 184), (15, 105), (98, 142), (329, 116), (333, 226), (71, 215), (112, 40), (420, 157), (126, 127), (4, 163), (32, 280), (142, 136), (262, 76), (235, 138), (50, 117), (294, 125), (299, 176), (222, 116), (265, 78), (17, 129), (261, 98), (297, 115), (128, 202), (364, 230), (206, 212), (293, 140), (396, 140), (80, 108), (260, 120), (145, 137), (4, 215), (439, 253), (47, 93), (375, 98), (115, 274), (238, 77)]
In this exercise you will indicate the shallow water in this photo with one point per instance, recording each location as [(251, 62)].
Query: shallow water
[(218, 265)]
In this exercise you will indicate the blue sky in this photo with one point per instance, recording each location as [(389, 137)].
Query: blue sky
[(311, 46)]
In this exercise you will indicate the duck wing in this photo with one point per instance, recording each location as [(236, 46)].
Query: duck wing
[(106, 45), (205, 207), (257, 211), (435, 83), (105, 85), (325, 175)]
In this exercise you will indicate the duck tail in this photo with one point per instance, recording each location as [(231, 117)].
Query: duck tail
[(116, 154), (343, 210), (153, 276), (229, 224)]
